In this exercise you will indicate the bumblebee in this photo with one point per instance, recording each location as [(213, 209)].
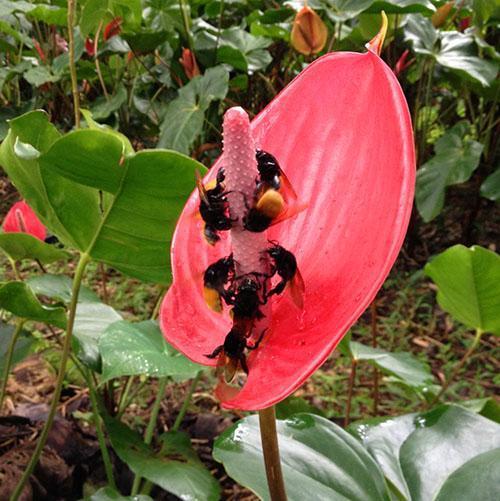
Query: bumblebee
[(232, 352), (267, 207), (284, 265), (214, 207), (246, 300), (269, 170), (216, 276)]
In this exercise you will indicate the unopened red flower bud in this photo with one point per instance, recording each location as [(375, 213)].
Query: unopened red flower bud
[(89, 47), (441, 15), (188, 62), (113, 28), (309, 32)]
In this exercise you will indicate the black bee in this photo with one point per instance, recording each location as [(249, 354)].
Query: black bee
[(214, 208), (216, 276), (266, 208), (269, 170), (246, 300), (285, 265), (232, 353)]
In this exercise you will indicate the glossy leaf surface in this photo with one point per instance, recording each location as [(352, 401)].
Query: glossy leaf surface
[(468, 281), (58, 287), (341, 132), (179, 471), (22, 348), (491, 186), (130, 349), (109, 494), (317, 457), (19, 299), (23, 246)]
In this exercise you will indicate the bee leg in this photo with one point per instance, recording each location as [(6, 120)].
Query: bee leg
[(256, 344), (278, 289), (216, 352)]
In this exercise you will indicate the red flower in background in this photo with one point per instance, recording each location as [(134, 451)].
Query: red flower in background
[(188, 62), (342, 134), (113, 28), (89, 47), (22, 219)]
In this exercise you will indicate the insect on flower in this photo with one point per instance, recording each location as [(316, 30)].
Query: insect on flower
[(341, 132)]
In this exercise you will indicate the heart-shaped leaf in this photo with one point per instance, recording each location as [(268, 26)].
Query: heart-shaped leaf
[(129, 349), (178, 471), (59, 287), (317, 457), (468, 283), (491, 186)]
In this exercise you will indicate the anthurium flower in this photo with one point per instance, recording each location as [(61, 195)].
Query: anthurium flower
[(22, 219), (342, 135), (113, 28), (309, 32), (188, 62), (441, 15)]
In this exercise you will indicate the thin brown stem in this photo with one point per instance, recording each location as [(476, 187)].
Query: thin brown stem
[(456, 370), (97, 63), (104, 279), (270, 448), (350, 391)]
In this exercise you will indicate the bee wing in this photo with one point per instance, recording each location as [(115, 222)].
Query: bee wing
[(288, 212), (230, 368), (286, 187), (201, 188), (297, 289)]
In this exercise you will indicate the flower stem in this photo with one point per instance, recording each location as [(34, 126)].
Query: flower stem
[(77, 280), (373, 326), (14, 268), (8, 360), (72, 66), (352, 378), (461, 363), (148, 436), (100, 434), (269, 438)]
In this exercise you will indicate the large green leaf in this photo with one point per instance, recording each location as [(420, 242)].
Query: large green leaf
[(383, 440), (476, 479), (129, 349), (58, 287), (455, 160), (318, 459), (183, 119), (468, 283), (436, 449), (146, 194), (407, 369), (455, 51), (109, 494), (491, 186), (24, 246), (402, 6), (178, 471), (34, 128), (19, 299)]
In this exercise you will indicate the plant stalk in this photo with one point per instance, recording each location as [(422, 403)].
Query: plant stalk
[(350, 392), (99, 431), (77, 280), (8, 360), (72, 66), (461, 363), (373, 326), (270, 448)]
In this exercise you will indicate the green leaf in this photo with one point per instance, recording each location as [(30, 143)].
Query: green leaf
[(442, 447), (183, 120), (35, 129), (407, 369), (491, 186), (38, 75), (456, 158), (25, 151), (129, 349), (49, 14), (402, 6), (23, 347), (58, 287), (468, 283), (61, 62), (383, 440), (317, 457), (24, 246), (93, 12), (455, 51), (19, 299), (103, 107), (145, 41), (109, 494), (146, 191), (476, 479), (179, 471), (91, 321), (295, 405)]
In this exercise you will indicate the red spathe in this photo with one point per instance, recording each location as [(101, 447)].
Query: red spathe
[(22, 219), (342, 134)]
